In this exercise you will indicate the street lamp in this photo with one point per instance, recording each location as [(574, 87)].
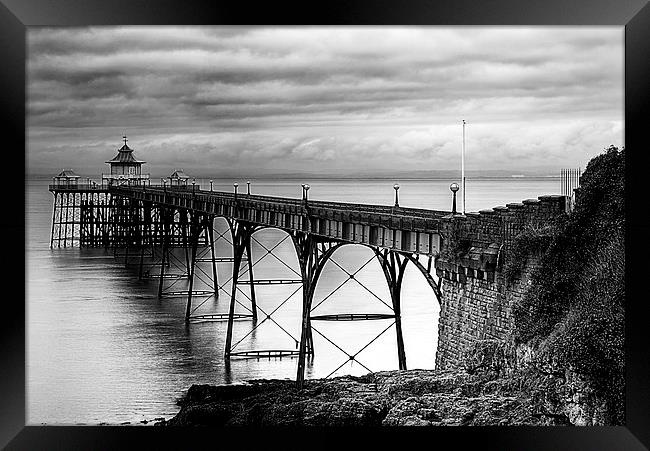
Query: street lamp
[(248, 187), (164, 185), (396, 188), (210, 185), (454, 188), (193, 184), (235, 185), (306, 193)]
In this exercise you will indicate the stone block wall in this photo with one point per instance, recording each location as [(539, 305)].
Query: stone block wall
[(476, 300)]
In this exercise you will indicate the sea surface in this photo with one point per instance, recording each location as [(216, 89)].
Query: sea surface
[(102, 348)]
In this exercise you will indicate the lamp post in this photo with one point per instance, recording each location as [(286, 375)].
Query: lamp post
[(193, 185), (235, 185), (164, 185), (303, 191), (210, 185), (396, 188), (462, 167), (306, 193), (248, 187), (454, 188)]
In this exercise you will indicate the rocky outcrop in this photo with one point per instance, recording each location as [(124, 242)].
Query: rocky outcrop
[(497, 384), (393, 398)]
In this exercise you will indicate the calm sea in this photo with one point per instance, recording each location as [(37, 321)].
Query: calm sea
[(101, 348)]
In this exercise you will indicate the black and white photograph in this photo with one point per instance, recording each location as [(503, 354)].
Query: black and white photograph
[(325, 226)]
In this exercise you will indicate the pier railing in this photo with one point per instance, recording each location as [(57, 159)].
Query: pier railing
[(204, 195), (413, 230), (78, 187)]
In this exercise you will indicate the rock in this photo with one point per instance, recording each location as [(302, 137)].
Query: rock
[(496, 385)]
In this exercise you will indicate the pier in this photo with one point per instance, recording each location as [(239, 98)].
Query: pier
[(461, 256)]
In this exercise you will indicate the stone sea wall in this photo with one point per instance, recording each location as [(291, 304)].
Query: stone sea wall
[(477, 300)]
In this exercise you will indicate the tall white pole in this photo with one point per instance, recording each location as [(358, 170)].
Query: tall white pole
[(462, 167)]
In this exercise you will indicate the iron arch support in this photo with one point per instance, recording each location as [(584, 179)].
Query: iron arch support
[(393, 268), (312, 261), (427, 275), (241, 232)]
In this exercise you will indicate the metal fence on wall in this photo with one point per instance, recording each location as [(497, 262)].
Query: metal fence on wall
[(569, 181)]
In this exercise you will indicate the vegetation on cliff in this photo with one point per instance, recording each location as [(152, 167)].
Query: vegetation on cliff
[(574, 309)]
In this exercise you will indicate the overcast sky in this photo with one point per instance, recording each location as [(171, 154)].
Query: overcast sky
[(328, 100)]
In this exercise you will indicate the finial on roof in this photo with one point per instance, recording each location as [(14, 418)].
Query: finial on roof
[(125, 140)]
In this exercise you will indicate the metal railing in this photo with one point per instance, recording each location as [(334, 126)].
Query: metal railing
[(190, 192), (417, 213), (78, 187), (569, 182)]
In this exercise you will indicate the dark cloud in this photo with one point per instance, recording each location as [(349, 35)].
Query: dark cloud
[(236, 98)]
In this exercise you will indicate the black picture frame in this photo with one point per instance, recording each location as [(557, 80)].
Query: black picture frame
[(17, 15)]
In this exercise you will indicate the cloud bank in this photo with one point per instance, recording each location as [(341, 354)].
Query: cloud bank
[(329, 100)]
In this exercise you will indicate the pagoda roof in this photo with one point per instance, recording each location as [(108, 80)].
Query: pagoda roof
[(125, 155), (68, 173), (179, 174)]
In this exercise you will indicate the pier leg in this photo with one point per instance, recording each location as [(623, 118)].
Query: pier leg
[(74, 199), (393, 267), (65, 232), (155, 231), (237, 255), (142, 249), (165, 238), (310, 338), (308, 260), (401, 355), (116, 222), (184, 226), (241, 232), (195, 231), (311, 265), (215, 280), (56, 195), (61, 204), (127, 240), (304, 334), (250, 277)]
